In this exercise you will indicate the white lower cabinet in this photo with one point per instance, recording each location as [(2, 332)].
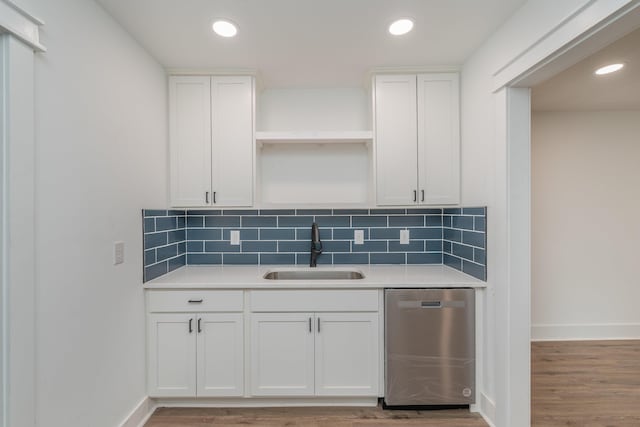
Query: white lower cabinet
[(282, 354), (194, 353), (220, 355), (346, 362), (315, 353), (171, 355), (300, 343), (321, 354)]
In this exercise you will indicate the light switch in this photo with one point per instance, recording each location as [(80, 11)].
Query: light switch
[(235, 237), (358, 237), (118, 253), (404, 237)]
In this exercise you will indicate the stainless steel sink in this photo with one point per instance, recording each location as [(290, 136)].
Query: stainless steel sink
[(314, 275)]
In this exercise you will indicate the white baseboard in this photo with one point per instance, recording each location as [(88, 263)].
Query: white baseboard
[(592, 331), (487, 409), (264, 402), (140, 413)]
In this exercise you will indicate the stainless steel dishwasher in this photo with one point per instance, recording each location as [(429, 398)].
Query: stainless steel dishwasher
[(429, 347)]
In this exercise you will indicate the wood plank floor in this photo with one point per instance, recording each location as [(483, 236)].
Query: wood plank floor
[(581, 384), (585, 383), (311, 417)]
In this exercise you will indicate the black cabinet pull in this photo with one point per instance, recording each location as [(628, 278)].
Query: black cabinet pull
[(206, 197), (318, 325), (214, 197), (422, 191), (415, 195), (199, 326), (309, 324), (195, 301), (190, 325)]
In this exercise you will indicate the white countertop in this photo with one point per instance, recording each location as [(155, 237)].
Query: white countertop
[(376, 277)]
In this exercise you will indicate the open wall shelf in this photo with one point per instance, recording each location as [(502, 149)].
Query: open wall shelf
[(294, 137)]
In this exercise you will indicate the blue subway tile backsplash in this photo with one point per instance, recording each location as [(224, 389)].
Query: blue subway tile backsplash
[(239, 259), (204, 258), (369, 221), (406, 221), (424, 258), (351, 258), (282, 259), (164, 241), (387, 258), (452, 236), (464, 240), (154, 212)]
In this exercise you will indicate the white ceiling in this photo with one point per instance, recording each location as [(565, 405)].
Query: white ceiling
[(578, 89), (310, 43)]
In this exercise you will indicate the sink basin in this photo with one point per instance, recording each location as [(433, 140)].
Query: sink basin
[(313, 275)]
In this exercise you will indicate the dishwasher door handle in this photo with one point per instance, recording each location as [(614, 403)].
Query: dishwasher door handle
[(412, 305), (431, 304)]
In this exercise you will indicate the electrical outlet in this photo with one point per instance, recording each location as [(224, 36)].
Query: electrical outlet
[(118, 253), (234, 237), (404, 237), (358, 237)]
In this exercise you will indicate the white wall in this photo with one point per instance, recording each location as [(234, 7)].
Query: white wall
[(335, 109), (585, 225), (100, 157)]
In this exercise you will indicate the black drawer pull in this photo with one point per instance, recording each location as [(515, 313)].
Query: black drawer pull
[(195, 301)]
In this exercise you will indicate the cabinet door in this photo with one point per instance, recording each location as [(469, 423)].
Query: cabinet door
[(232, 140), (171, 354), (396, 139), (438, 138), (190, 140), (220, 354), (282, 354), (347, 354)]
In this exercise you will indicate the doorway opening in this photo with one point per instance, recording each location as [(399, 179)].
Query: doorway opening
[(585, 326)]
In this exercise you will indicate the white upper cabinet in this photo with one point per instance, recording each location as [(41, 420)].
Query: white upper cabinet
[(438, 138), (232, 140), (417, 139), (211, 139), (190, 139), (395, 139)]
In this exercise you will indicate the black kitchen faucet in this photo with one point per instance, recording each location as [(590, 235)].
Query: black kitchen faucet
[(316, 244)]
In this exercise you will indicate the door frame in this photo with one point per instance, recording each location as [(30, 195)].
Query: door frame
[(19, 42)]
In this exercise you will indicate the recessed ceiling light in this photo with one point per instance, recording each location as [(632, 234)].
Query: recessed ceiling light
[(401, 26), (225, 28), (609, 69)]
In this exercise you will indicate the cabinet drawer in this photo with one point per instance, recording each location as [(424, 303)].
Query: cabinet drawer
[(314, 300), (201, 300)]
